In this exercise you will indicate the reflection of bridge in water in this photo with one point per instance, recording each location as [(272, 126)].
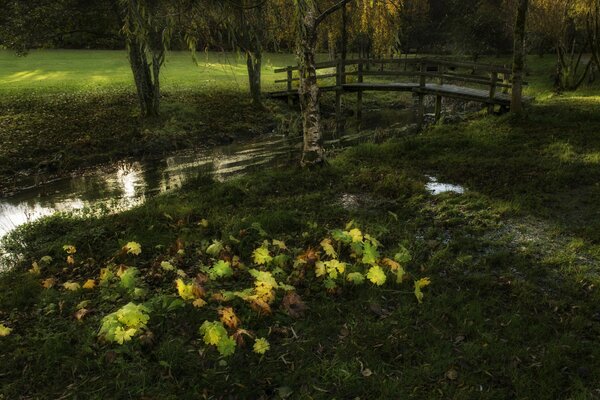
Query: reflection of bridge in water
[(483, 83)]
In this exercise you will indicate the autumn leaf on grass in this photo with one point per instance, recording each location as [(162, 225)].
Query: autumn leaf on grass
[(261, 346), (293, 305), (89, 284), (124, 335), (69, 249), (376, 275), (370, 253), (280, 244), (72, 286), (48, 283), (356, 235), (238, 336), (356, 277), (212, 332), (133, 248), (35, 269), (403, 255), (46, 260), (328, 248), (185, 290), (226, 346), (395, 267), (167, 266), (261, 256), (79, 314), (421, 283), (221, 269), (228, 317), (199, 303), (70, 260), (4, 331), (215, 248)]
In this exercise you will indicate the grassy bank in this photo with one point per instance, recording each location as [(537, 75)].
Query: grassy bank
[(512, 311)]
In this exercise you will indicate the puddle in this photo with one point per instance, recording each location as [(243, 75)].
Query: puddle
[(435, 187)]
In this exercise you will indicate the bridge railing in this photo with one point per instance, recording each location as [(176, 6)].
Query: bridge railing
[(422, 76)]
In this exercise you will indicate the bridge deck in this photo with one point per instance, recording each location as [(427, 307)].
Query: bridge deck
[(454, 91)]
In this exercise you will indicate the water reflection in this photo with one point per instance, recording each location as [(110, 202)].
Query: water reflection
[(129, 184)]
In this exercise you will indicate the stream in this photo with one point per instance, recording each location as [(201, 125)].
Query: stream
[(129, 183)]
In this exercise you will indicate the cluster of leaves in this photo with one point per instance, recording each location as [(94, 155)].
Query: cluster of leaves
[(223, 281), (123, 324)]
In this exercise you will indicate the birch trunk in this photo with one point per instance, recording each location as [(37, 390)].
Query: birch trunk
[(309, 93)]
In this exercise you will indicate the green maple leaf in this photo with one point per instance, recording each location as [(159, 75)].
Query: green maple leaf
[(356, 277), (215, 248), (261, 256), (220, 270), (226, 346), (213, 332), (403, 256), (370, 253)]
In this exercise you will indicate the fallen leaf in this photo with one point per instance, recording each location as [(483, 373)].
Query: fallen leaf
[(366, 372), (89, 284), (452, 374), (293, 305), (79, 314)]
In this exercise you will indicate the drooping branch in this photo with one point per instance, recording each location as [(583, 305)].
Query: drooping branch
[(331, 10)]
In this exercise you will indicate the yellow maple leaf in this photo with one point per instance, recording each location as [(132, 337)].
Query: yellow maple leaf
[(89, 284), (72, 286), (35, 269), (356, 235), (133, 248), (4, 331), (228, 317), (70, 249), (261, 256), (376, 275), (328, 248), (185, 291), (421, 283), (391, 263), (70, 259), (320, 268), (48, 283), (280, 244), (261, 346), (199, 303), (124, 335)]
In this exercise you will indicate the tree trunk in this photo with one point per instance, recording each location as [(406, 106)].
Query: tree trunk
[(309, 93), (148, 93), (516, 104), (254, 64)]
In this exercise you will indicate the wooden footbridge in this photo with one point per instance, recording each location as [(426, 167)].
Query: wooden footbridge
[(483, 83)]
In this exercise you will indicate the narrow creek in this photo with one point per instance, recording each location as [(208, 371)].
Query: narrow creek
[(129, 183)]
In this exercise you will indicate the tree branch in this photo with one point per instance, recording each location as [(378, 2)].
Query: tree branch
[(331, 10)]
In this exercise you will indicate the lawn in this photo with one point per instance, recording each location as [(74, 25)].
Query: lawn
[(43, 71), (511, 312)]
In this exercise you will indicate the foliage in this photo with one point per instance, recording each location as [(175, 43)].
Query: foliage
[(122, 325)]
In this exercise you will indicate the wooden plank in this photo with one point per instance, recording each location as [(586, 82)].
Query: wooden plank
[(380, 87)]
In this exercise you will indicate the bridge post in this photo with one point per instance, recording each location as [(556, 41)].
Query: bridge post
[(339, 79), (359, 95), (421, 95), (494, 81), (289, 86)]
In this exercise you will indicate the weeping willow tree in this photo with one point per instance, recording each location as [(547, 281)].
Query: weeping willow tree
[(564, 21), (148, 27)]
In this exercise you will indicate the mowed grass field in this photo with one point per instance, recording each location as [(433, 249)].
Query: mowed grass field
[(91, 70)]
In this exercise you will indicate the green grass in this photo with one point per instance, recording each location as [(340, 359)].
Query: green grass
[(512, 311), (67, 71)]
